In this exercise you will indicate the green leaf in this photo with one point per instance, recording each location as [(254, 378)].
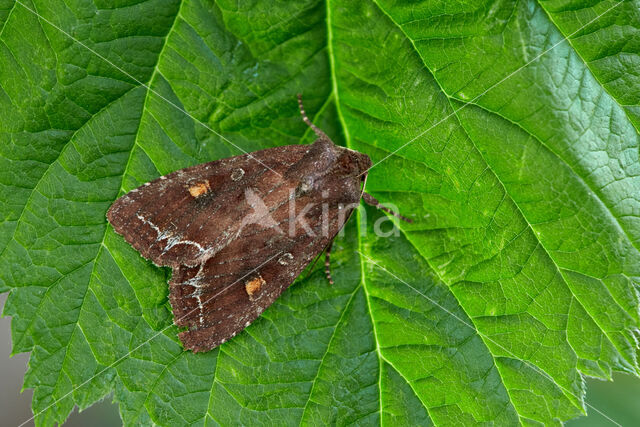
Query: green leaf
[(508, 131)]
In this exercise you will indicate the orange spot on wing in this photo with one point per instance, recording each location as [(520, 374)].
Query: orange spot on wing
[(253, 286), (199, 188)]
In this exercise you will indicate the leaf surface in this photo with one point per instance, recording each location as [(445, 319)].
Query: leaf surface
[(507, 130)]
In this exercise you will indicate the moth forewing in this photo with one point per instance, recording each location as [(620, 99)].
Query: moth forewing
[(228, 231)]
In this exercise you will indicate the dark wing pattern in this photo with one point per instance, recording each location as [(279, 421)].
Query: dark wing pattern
[(223, 296), (187, 216), (238, 231)]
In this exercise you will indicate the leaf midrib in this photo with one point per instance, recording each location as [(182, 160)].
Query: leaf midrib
[(359, 244), (348, 140), (360, 247), (475, 327)]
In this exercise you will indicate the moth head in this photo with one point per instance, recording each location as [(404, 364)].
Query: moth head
[(351, 163), (341, 160)]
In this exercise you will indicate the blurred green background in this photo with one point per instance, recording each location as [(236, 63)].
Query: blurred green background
[(619, 400)]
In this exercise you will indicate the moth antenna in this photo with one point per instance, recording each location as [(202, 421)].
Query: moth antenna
[(327, 263), (313, 127), (370, 200)]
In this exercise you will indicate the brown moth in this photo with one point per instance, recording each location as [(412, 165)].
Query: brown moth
[(238, 231)]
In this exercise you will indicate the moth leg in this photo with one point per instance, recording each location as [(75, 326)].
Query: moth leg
[(327, 263), (372, 201), (315, 260), (318, 132)]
